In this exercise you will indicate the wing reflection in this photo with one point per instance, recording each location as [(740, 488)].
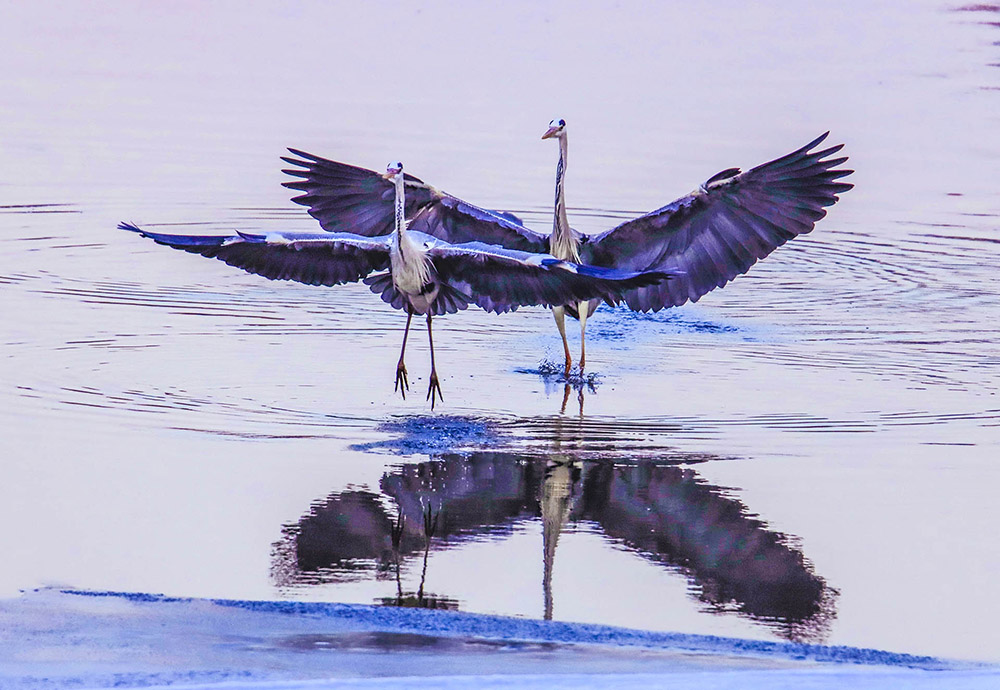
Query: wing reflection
[(662, 512), (732, 561)]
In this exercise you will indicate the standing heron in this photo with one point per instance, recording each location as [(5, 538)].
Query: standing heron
[(705, 238), (426, 275), (565, 242)]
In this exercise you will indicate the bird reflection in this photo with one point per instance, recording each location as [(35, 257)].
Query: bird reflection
[(661, 512), (557, 501)]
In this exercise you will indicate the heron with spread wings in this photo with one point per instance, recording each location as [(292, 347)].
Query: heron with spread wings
[(705, 239), (426, 274)]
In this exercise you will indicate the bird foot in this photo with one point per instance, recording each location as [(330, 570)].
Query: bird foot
[(434, 388), (402, 382)]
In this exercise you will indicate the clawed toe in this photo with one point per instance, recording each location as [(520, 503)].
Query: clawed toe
[(434, 389), (402, 381)]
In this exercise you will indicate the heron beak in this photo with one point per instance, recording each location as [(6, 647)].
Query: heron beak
[(550, 132)]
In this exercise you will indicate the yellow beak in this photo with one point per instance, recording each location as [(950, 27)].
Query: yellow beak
[(551, 131)]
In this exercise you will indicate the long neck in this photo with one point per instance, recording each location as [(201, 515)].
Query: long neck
[(400, 206), (409, 265), (562, 244)]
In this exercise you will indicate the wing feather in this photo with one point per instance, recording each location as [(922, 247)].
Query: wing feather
[(719, 231), (499, 279), (460, 222), (309, 258), (345, 198)]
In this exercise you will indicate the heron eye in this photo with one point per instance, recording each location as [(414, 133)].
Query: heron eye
[(553, 123)]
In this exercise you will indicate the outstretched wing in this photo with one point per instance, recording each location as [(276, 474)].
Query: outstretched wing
[(719, 231), (501, 280), (345, 198), (310, 258), (459, 222)]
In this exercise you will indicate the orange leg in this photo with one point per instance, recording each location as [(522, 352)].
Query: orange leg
[(560, 315), (582, 309)]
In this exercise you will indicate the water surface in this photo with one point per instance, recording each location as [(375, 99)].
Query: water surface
[(809, 453)]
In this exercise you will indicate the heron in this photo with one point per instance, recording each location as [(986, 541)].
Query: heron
[(426, 275), (704, 239)]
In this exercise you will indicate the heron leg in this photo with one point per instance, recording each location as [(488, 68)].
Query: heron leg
[(435, 385), (402, 382), (560, 315), (583, 309)]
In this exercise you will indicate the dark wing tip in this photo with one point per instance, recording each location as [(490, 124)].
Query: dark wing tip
[(131, 227), (817, 141), (833, 162), (252, 238), (310, 157), (724, 175), (827, 152)]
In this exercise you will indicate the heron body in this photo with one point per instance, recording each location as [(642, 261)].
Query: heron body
[(426, 275), (410, 268), (703, 239), (412, 273)]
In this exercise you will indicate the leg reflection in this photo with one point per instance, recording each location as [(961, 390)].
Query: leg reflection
[(579, 397), (430, 526), (397, 537)]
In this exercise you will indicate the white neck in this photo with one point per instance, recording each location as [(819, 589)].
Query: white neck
[(400, 205), (408, 261)]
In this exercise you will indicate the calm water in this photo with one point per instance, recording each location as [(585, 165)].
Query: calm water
[(808, 454)]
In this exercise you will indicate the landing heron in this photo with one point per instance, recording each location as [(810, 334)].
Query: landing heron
[(706, 238), (426, 274)]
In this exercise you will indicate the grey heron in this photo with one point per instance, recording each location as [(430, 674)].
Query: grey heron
[(707, 238), (426, 275)]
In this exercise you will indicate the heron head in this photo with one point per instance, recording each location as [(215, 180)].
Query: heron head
[(557, 128), (393, 169)]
